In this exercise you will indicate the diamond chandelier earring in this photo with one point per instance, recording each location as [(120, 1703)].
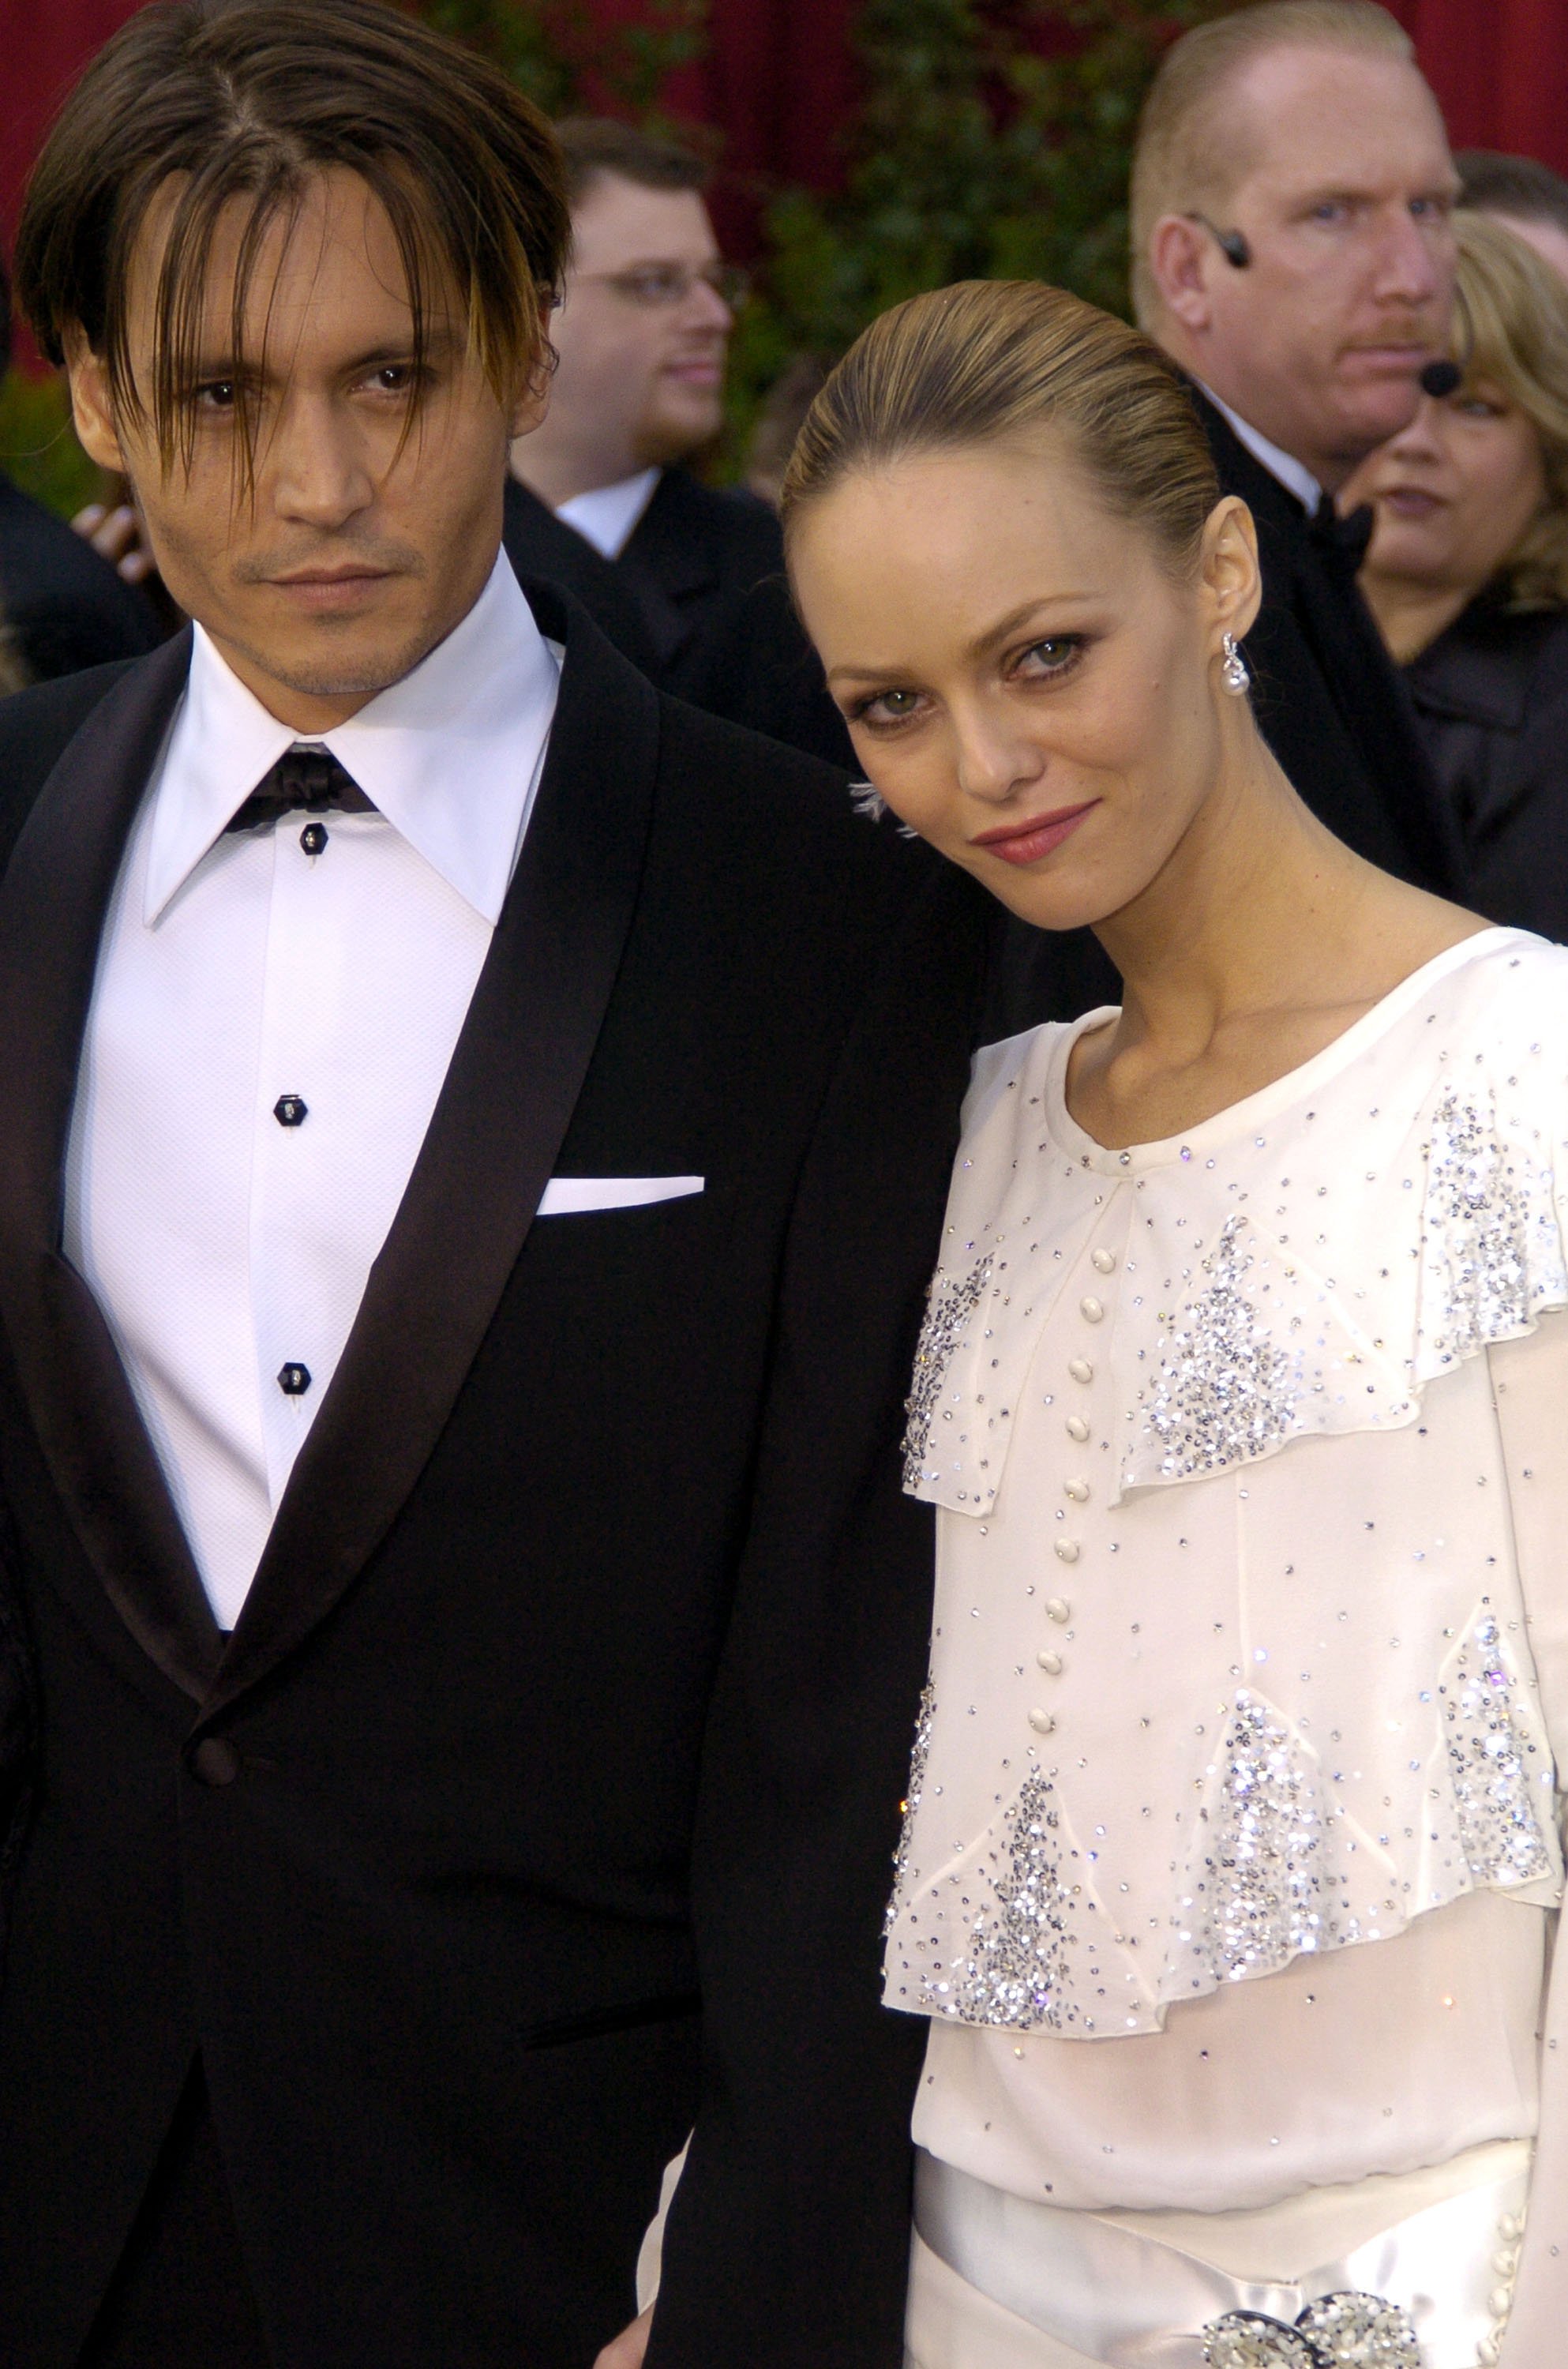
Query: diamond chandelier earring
[(1233, 673)]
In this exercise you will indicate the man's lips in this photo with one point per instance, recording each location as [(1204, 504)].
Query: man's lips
[(331, 588), (1026, 842)]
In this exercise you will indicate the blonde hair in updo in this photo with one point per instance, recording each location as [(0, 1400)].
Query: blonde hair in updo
[(991, 361)]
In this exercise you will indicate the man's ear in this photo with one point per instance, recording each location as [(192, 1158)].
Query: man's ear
[(91, 407), (1179, 259)]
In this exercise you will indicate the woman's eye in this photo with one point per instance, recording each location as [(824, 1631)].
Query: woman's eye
[(1054, 655), (887, 707), (218, 394)]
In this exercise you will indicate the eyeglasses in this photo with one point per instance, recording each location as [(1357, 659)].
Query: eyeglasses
[(671, 283)]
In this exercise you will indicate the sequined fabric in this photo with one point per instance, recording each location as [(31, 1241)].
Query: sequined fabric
[(918, 1756), (952, 1304), (1338, 2332), (1493, 1248), (1266, 1889), (1017, 1969), (1500, 1771), (1224, 1392)]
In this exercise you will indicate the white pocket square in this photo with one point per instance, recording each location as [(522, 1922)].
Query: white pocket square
[(566, 1196)]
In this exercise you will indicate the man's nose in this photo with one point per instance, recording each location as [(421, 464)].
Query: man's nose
[(1409, 270), (705, 309), (315, 466)]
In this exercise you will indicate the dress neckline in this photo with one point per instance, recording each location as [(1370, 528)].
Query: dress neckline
[(1253, 1110)]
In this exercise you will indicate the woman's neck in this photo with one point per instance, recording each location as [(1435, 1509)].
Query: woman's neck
[(1410, 615), (1262, 939)]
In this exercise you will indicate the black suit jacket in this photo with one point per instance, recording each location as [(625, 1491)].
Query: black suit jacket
[(1329, 698), (65, 606), (540, 549), (693, 556), (541, 1799), (1491, 698)]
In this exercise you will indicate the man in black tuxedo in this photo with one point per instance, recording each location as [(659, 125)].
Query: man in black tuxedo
[(476, 1134), (641, 340), (1291, 250)]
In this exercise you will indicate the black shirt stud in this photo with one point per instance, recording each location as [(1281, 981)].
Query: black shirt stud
[(289, 1111), (312, 839), (294, 1381)]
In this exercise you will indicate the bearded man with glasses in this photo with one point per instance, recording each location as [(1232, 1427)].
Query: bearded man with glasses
[(642, 338)]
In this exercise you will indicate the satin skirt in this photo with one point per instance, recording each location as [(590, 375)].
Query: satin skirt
[(952, 2326)]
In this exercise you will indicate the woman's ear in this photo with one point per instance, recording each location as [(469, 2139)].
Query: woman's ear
[(1230, 568), (91, 404)]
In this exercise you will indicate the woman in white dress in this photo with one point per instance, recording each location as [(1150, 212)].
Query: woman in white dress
[(1231, 1861)]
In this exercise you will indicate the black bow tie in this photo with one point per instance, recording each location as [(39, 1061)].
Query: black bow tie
[(304, 780), (1343, 540)]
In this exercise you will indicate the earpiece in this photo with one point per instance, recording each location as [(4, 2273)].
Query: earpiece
[(1230, 243), (1440, 379)]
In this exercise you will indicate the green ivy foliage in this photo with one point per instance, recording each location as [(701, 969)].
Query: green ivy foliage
[(993, 141), (554, 50), (38, 450)]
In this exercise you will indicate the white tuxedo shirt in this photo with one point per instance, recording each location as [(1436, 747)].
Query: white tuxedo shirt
[(269, 1033)]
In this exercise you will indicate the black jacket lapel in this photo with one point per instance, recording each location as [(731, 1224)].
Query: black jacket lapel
[(52, 904), (670, 565), (500, 1122)]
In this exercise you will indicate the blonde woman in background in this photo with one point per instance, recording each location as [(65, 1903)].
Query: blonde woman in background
[(1231, 1861), (1467, 575)]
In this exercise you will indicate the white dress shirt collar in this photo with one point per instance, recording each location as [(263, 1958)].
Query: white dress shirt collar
[(608, 516), (1293, 475), (451, 756)]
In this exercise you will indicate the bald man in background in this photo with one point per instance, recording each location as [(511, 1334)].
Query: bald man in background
[(1292, 250)]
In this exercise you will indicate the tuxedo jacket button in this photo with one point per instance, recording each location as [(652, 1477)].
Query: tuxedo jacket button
[(215, 1761)]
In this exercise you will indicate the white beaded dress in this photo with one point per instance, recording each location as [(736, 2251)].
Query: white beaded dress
[(1232, 1859)]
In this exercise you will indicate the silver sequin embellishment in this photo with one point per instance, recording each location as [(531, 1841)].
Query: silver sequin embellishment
[(951, 1306), (1480, 1222), (1223, 1393), (1016, 1971), (1492, 1763), (1348, 2330), (1267, 1895), (924, 1721)]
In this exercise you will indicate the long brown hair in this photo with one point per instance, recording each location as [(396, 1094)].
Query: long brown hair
[(251, 99)]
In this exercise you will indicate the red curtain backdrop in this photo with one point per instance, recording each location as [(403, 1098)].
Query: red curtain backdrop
[(779, 78)]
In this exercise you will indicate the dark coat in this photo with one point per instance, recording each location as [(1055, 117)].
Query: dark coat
[(1491, 698), (691, 559), (1325, 689), (541, 549), (541, 1801), (66, 607)]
